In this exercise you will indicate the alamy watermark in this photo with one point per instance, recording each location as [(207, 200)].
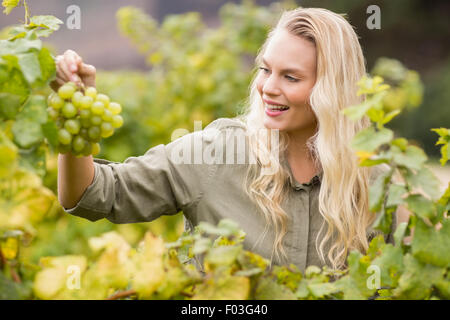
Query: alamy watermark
[(226, 146), (73, 281), (374, 20), (73, 21)]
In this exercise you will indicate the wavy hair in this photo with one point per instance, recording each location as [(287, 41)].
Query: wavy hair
[(343, 196)]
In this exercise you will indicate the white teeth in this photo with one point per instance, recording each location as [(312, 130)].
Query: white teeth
[(276, 108)]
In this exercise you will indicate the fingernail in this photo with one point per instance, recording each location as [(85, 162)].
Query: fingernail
[(74, 67), (74, 78)]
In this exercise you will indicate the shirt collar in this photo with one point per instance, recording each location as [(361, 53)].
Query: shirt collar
[(316, 180)]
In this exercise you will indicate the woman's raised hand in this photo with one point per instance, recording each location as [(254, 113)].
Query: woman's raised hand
[(70, 67)]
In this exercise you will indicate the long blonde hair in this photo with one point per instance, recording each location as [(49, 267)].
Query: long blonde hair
[(343, 196)]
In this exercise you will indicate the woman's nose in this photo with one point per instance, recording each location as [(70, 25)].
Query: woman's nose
[(270, 86)]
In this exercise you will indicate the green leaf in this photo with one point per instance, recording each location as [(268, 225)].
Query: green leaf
[(390, 116), (34, 110), (417, 280), (420, 206), (49, 22), (377, 191), (395, 193), (375, 115), (9, 5), (33, 159), (17, 46), (268, 289), (430, 245), (402, 143), (443, 287), (390, 263), (358, 111), (223, 255), (50, 131), (383, 221), (47, 64), (29, 64), (400, 233), (9, 153), (321, 290), (443, 132), (354, 285), (427, 181), (412, 158), (223, 288), (27, 133), (369, 139), (9, 105), (16, 83)]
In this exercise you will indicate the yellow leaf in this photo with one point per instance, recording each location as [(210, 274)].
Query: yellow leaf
[(364, 155), (10, 248)]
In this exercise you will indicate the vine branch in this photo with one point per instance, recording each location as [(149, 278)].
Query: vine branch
[(122, 294)]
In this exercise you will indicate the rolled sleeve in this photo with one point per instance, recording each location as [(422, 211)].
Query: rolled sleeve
[(143, 188)]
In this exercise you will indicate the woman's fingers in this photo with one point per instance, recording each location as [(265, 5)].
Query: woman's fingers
[(87, 73), (87, 70), (73, 60), (70, 67), (62, 65)]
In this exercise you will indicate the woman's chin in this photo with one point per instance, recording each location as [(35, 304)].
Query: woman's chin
[(269, 123)]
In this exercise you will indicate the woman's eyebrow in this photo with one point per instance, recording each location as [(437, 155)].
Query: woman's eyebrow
[(287, 70)]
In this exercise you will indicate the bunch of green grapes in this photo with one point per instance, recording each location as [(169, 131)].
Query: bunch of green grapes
[(83, 119)]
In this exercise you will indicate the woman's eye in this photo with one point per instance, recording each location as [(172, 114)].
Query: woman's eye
[(291, 79), (265, 70)]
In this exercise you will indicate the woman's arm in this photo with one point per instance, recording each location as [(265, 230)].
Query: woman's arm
[(74, 176)]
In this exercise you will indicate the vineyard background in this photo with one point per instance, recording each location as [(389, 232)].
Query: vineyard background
[(184, 70)]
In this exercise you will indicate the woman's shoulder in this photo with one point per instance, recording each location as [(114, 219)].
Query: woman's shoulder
[(224, 123)]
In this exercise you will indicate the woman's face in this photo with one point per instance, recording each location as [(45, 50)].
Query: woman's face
[(286, 77)]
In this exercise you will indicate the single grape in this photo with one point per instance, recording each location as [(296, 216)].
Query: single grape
[(95, 149), (73, 126), (77, 99), (106, 129), (78, 144), (103, 98), (52, 113), (55, 101), (87, 149), (64, 137), (70, 83), (69, 110), (85, 122), (107, 115), (115, 108), (97, 107), (96, 120), (84, 133), (91, 92), (66, 91), (85, 114), (117, 121), (94, 133), (86, 102)]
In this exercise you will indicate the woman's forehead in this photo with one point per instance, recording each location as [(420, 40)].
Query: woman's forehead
[(287, 51)]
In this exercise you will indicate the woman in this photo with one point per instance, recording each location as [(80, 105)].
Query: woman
[(301, 198)]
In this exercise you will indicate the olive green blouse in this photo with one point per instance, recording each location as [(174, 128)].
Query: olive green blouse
[(157, 183)]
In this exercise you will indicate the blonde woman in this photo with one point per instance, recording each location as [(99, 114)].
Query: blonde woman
[(300, 197)]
